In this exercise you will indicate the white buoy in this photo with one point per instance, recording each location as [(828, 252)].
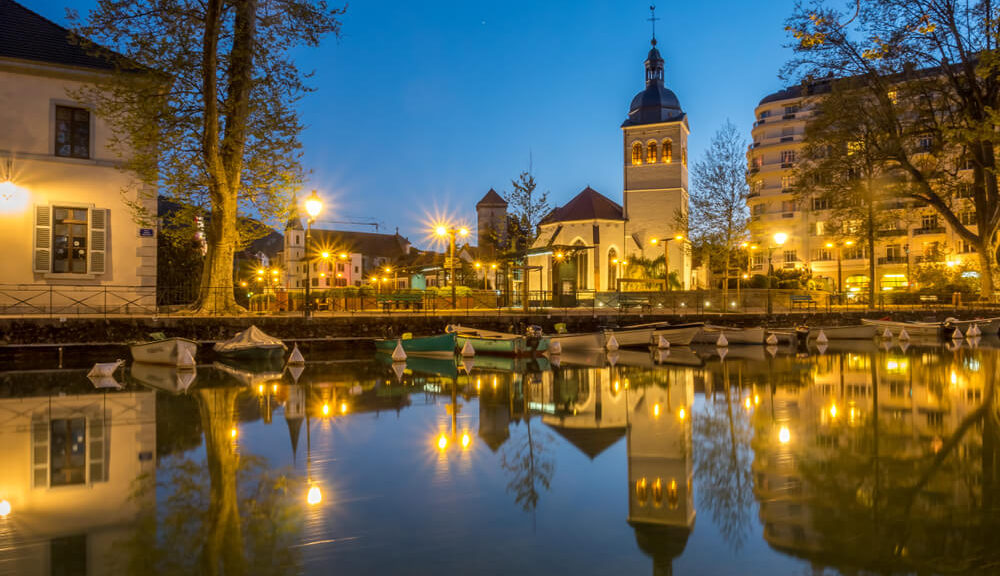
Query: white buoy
[(398, 354), (296, 358), (974, 331), (185, 361), (904, 345), (105, 382), (822, 339), (772, 339), (662, 343), (772, 350), (887, 334), (468, 350), (722, 341), (821, 347), (555, 360), (957, 334), (468, 364), (661, 356), (555, 348), (722, 352), (973, 342), (612, 344), (296, 372), (904, 335), (104, 368), (612, 358)]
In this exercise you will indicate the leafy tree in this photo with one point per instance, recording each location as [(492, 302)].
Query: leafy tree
[(718, 214), (928, 74), (214, 126), (641, 268), (527, 209), (841, 170)]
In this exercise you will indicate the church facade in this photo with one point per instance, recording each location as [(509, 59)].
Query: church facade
[(586, 244)]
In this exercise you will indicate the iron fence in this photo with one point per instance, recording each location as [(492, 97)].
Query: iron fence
[(23, 300)]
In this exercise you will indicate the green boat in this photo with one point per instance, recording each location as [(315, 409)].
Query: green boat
[(438, 346), (499, 343)]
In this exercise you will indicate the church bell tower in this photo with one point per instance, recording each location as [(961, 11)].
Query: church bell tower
[(655, 159)]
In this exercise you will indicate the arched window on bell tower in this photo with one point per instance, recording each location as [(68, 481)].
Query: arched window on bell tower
[(651, 153), (636, 154), (668, 151)]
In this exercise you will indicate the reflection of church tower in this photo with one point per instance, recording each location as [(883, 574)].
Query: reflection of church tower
[(295, 411), (661, 503), (491, 213), (656, 175)]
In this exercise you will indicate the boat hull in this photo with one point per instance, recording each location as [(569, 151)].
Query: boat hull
[(710, 334), (500, 343), (680, 335), (437, 346), (923, 329), (162, 377), (988, 326), (265, 353), (630, 337), (167, 352), (581, 342), (861, 332)]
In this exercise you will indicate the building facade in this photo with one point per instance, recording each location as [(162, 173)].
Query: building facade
[(64, 200), (338, 258), (585, 244), (836, 262)]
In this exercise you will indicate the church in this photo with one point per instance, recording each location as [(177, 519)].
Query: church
[(584, 245)]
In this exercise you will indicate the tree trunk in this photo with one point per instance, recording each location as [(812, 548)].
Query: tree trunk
[(870, 225), (725, 278), (987, 265), (223, 546), (216, 295)]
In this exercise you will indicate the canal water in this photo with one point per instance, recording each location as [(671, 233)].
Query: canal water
[(858, 458)]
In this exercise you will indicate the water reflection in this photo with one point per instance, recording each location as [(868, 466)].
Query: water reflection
[(855, 459)]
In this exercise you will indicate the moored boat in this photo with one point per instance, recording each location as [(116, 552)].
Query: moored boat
[(436, 346), (579, 341), (857, 332), (710, 335), (988, 326), (499, 343), (678, 334), (926, 329), (161, 377), (630, 336), (178, 352), (251, 344)]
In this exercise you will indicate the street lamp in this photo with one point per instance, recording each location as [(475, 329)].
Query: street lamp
[(840, 250), (666, 257), (313, 207), (450, 233), (778, 240)]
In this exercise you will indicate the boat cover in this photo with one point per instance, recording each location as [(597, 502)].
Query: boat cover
[(252, 337)]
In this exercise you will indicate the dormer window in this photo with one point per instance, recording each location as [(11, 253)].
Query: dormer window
[(72, 132)]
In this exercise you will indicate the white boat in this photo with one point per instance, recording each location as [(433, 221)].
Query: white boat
[(160, 377), (678, 334), (252, 343), (710, 334), (579, 341), (988, 326), (631, 336), (858, 332), (166, 351), (926, 329)]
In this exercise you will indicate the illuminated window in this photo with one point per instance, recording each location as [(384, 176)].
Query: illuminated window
[(636, 154), (893, 96), (69, 239), (651, 153), (668, 151), (684, 155), (72, 132)]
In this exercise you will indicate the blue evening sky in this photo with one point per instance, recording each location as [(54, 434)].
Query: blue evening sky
[(421, 107)]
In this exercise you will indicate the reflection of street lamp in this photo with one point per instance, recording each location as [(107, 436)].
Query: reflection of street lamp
[(313, 207), (779, 240), (450, 233), (666, 257)]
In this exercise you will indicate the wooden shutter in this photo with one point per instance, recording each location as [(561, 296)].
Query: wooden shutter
[(42, 242), (98, 240)]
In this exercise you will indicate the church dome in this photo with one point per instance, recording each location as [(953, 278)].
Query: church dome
[(656, 103)]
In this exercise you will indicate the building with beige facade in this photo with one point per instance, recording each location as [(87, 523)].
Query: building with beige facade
[(837, 262), (71, 240)]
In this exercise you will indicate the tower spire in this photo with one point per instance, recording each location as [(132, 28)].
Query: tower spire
[(652, 18)]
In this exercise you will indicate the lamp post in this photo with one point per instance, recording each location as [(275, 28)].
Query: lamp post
[(666, 257), (450, 233), (479, 266), (778, 240), (840, 257), (313, 207)]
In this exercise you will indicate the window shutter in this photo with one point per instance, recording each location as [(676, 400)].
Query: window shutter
[(98, 239), (43, 239)]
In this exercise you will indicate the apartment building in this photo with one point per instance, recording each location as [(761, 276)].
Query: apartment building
[(837, 262)]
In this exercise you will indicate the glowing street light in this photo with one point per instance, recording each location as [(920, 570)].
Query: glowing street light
[(450, 233), (778, 240), (313, 207)]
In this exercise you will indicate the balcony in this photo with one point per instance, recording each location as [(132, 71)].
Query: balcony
[(892, 260), (787, 139), (885, 233), (789, 116), (788, 164), (932, 258), (926, 231)]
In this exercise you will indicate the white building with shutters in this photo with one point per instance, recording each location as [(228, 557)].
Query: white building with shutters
[(70, 240)]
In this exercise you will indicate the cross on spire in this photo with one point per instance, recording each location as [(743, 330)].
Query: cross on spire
[(652, 18)]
